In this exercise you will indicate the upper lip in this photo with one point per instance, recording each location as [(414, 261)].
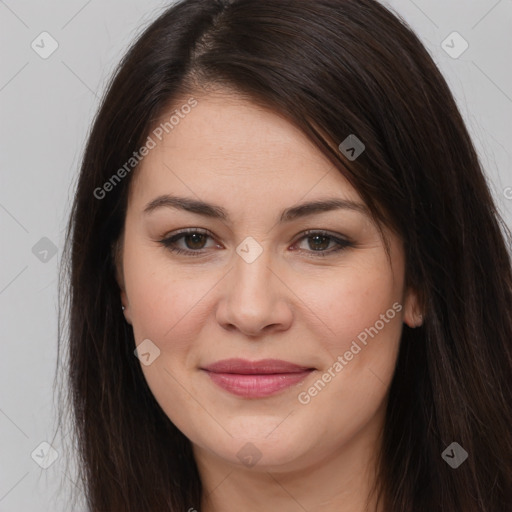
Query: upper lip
[(263, 366)]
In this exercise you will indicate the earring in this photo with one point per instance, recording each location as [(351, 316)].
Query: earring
[(122, 307)]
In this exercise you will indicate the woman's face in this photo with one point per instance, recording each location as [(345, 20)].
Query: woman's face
[(252, 286)]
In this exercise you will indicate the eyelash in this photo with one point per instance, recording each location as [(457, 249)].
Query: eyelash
[(169, 242)]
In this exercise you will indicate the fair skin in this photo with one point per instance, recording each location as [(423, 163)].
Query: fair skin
[(289, 304)]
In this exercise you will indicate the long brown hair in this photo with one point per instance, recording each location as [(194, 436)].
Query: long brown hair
[(333, 68)]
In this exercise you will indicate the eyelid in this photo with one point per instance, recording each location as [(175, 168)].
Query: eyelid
[(325, 232)]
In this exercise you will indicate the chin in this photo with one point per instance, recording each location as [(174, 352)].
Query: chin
[(260, 451)]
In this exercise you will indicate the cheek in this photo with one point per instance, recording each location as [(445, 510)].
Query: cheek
[(164, 302), (358, 336), (362, 317), (369, 309), (166, 308), (356, 301)]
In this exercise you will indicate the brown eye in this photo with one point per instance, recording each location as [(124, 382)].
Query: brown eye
[(320, 241), (194, 240)]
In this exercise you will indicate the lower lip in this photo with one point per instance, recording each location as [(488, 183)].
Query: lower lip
[(257, 386)]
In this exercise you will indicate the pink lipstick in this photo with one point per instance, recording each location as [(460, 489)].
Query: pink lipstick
[(256, 379)]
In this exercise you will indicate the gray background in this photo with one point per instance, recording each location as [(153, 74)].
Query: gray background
[(46, 110)]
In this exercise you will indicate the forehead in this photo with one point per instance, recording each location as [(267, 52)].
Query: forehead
[(226, 144)]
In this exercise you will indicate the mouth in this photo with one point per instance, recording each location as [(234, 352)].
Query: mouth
[(256, 379)]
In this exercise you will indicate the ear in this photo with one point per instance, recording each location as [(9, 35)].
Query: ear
[(117, 258), (413, 314)]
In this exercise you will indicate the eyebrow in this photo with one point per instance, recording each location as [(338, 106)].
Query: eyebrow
[(217, 212)]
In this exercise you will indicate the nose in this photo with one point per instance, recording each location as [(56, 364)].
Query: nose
[(255, 299)]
